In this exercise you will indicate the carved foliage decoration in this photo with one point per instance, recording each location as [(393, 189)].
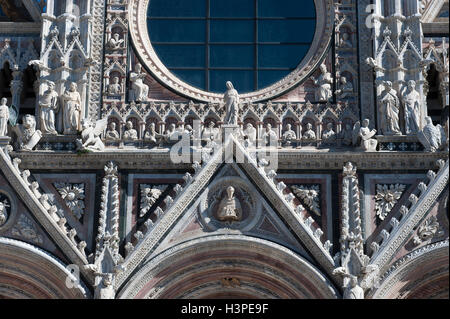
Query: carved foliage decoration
[(149, 196), (386, 198), (429, 229), (310, 196), (26, 228), (73, 195)]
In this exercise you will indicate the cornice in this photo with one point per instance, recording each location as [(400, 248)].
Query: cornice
[(287, 159)]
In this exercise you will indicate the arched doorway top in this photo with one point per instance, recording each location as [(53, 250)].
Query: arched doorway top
[(228, 266), (30, 272)]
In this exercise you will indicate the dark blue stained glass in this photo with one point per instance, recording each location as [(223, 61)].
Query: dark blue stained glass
[(177, 8), (243, 81), (267, 78), (252, 43), (232, 56), (286, 30), (193, 77), (281, 55), (232, 31), (286, 8), (175, 56), (177, 30), (232, 8)]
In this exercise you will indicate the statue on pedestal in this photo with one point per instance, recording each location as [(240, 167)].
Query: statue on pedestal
[(411, 101), (72, 110), (324, 83), (90, 136), (139, 88), (231, 99), (28, 136), (48, 102), (389, 107), (4, 117)]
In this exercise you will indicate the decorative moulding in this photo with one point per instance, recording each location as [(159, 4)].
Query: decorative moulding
[(144, 49)]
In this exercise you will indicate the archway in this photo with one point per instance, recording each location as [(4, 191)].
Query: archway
[(228, 266), (27, 272), (422, 274)]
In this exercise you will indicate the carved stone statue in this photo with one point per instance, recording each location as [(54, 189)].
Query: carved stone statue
[(72, 110), (115, 43), (345, 41), (288, 135), (48, 102), (111, 133), (389, 109), (140, 89), (231, 99), (309, 133), (345, 87), (250, 133), (269, 137), (115, 87), (28, 136), (329, 136), (105, 290), (3, 212), (346, 135), (411, 102), (90, 136), (353, 290), (229, 207), (4, 117), (362, 136), (151, 134), (324, 83), (432, 137), (130, 133), (210, 133)]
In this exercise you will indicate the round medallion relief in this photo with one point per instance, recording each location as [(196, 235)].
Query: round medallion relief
[(230, 203), (265, 74), (7, 209)]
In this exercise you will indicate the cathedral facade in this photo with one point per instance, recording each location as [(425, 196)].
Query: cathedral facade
[(224, 149)]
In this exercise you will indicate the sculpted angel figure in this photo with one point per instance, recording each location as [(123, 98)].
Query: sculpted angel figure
[(229, 207), (72, 110), (362, 136), (140, 89), (324, 83), (411, 102), (231, 99), (48, 102), (90, 135), (389, 109), (432, 137)]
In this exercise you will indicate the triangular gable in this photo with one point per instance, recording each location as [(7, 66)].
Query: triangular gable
[(264, 223), (195, 185)]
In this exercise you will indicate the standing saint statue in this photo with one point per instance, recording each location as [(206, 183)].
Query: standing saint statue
[(411, 101), (231, 99), (140, 89), (324, 83), (48, 102), (4, 117), (72, 110), (389, 109)]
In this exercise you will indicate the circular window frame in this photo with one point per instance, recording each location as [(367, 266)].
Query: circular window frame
[(146, 54)]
